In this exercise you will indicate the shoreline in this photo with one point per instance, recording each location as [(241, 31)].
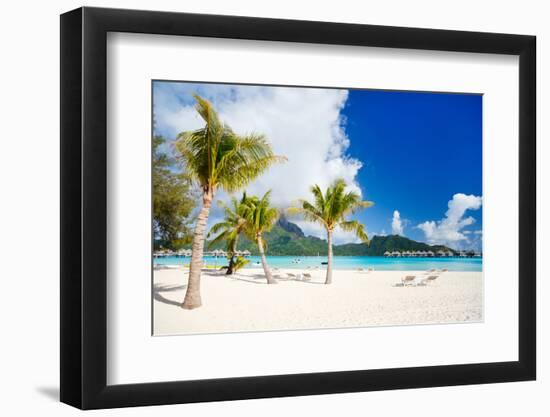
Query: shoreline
[(344, 263)]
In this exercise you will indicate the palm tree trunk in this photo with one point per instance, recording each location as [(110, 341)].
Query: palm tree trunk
[(232, 250), (193, 294), (267, 272), (230, 266), (329, 263)]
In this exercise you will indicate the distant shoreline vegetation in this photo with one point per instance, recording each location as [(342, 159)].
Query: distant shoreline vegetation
[(287, 239)]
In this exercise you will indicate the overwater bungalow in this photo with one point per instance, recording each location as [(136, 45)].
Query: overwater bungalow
[(430, 254), (396, 254), (387, 254), (217, 253), (162, 253)]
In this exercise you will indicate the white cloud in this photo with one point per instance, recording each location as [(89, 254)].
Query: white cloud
[(448, 231), (339, 236), (303, 124), (397, 224)]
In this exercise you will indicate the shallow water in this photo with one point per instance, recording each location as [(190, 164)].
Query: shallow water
[(345, 262)]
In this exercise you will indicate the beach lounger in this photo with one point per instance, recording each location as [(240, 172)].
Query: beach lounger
[(307, 277), (408, 280), (428, 280), (291, 275)]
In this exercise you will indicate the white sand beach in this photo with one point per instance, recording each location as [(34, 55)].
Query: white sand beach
[(244, 302)]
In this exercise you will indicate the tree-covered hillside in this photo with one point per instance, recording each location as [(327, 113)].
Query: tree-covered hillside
[(381, 244), (286, 238)]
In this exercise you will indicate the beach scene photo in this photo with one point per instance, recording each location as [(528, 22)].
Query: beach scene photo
[(279, 208)]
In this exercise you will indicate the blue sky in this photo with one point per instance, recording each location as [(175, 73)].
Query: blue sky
[(418, 156), (418, 150)]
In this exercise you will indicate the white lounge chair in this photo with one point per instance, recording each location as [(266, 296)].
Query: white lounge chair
[(408, 280), (428, 280)]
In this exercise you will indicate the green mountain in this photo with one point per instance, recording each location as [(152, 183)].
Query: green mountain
[(286, 238), (381, 244)]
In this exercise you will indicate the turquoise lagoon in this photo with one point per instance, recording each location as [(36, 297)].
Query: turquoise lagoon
[(345, 262)]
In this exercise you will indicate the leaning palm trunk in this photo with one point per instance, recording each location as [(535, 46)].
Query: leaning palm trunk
[(232, 251), (193, 295), (230, 266), (267, 272), (328, 280)]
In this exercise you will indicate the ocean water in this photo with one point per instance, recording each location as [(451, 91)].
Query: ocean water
[(380, 263)]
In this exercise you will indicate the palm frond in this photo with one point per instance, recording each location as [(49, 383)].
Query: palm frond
[(240, 262), (223, 236), (260, 216), (319, 198), (354, 226), (224, 225), (331, 207), (215, 156), (356, 206)]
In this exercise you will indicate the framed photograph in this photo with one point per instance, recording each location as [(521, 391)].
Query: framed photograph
[(258, 208)]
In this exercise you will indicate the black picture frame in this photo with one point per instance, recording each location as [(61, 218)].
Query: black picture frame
[(84, 207)]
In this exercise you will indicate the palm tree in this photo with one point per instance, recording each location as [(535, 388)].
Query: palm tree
[(230, 228), (260, 218), (216, 157), (330, 210)]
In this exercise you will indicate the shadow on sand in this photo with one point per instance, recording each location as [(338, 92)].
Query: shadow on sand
[(159, 288), (251, 279), (260, 279), (300, 280)]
